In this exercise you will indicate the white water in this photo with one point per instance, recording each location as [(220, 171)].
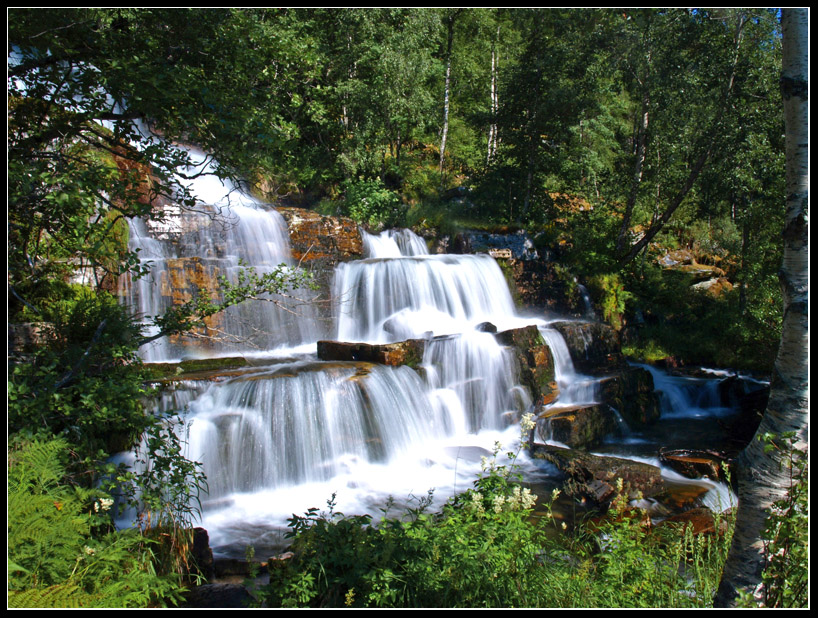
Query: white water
[(227, 232), (687, 397), (284, 438)]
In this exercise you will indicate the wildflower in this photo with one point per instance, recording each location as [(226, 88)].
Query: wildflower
[(477, 502), (498, 502), (89, 550), (527, 423), (527, 500)]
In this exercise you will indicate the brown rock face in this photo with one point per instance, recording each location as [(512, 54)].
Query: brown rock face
[(319, 243), (408, 352), (534, 359), (315, 237), (577, 426)]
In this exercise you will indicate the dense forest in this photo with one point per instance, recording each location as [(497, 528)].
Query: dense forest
[(613, 138)]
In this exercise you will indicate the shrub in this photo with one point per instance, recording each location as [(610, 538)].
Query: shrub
[(369, 202), (485, 548)]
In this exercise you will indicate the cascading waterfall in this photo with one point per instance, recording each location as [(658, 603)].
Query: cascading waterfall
[(189, 251), (575, 389), (381, 300), (285, 437)]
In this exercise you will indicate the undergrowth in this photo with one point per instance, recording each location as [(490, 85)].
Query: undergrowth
[(63, 550), (485, 548)]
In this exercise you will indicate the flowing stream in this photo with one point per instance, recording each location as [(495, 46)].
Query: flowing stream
[(294, 432)]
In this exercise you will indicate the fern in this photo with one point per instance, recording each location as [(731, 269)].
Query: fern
[(55, 557)]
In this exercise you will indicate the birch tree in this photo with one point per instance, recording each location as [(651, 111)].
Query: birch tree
[(762, 475)]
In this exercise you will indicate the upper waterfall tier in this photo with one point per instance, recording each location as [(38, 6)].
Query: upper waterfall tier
[(187, 254), (381, 300)]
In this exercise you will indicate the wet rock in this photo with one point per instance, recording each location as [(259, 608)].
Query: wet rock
[(577, 426), (594, 346), (631, 393), (694, 464), (203, 369), (218, 596), (319, 243), (202, 554), (590, 477), (409, 352), (534, 359)]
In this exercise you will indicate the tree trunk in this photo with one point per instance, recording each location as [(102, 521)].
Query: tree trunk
[(446, 91), (762, 478), (492, 145), (636, 179)]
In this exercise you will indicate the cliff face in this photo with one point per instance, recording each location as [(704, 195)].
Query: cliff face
[(319, 243)]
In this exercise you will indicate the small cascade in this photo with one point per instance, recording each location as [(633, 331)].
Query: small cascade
[(299, 423), (687, 397), (189, 250), (382, 300), (393, 243), (483, 376), (575, 389)]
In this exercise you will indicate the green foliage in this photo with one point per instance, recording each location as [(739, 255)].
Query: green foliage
[(611, 296), (485, 548), (60, 550), (369, 202), (84, 384), (699, 328)]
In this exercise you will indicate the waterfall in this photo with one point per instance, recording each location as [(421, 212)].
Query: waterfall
[(393, 243), (687, 397), (188, 250), (287, 436), (380, 300), (575, 389)]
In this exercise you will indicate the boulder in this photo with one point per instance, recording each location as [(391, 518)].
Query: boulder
[(595, 478), (631, 393), (594, 346), (534, 359), (694, 464), (409, 352), (539, 285), (577, 426)]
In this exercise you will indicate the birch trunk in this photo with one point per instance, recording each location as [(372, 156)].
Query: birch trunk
[(447, 87), (762, 478)]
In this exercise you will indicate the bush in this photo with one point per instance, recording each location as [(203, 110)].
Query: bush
[(485, 548), (370, 203)]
